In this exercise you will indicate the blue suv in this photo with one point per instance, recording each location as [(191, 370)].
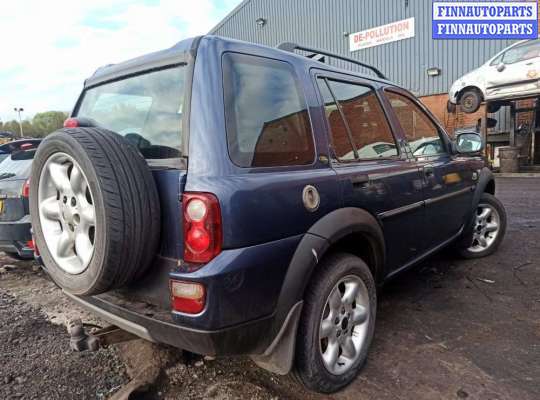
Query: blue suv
[(230, 198)]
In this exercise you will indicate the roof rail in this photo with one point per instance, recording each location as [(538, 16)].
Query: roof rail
[(291, 47)]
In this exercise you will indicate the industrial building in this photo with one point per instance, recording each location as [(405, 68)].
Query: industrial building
[(425, 66)]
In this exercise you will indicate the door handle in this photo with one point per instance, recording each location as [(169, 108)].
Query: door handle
[(360, 180), (429, 172)]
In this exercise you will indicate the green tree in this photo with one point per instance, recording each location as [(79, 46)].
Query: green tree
[(11, 126), (46, 122)]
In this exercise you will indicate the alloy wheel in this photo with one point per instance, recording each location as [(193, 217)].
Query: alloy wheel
[(67, 213), (486, 228), (344, 324)]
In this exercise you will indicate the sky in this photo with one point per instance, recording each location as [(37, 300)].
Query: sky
[(48, 48)]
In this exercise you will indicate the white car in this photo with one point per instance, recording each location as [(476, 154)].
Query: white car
[(512, 73)]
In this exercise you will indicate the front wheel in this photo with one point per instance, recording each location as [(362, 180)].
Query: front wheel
[(337, 324), (470, 101), (489, 227)]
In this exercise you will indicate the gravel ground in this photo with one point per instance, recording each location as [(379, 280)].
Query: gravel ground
[(37, 364), (448, 329)]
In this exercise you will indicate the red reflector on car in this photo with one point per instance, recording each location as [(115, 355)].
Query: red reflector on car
[(26, 188), (30, 244), (187, 297), (202, 227), (71, 123)]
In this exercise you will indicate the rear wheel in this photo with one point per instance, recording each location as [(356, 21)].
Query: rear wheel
[(489, 228), (337, 324), (470, 101), (95, 210)]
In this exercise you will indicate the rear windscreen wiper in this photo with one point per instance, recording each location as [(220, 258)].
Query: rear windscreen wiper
[(6, 175)]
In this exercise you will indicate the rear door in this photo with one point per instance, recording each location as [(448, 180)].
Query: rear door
[(373, 171), (447, 180), (516, 71)]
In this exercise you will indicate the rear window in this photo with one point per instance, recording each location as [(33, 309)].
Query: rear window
[(266, 115), (146, 109), (17, 164)]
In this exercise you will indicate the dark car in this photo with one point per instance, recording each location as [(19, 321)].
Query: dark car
[(215, 197), (15, 167)]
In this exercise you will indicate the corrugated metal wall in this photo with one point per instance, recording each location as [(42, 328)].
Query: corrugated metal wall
[(322, 23)]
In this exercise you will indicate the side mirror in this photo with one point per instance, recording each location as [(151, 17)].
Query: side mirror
[(468, 142), (501, 67)]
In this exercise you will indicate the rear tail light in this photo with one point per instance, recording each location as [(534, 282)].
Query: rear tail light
[(187, 297), (71, 123), (30, 244), (26, 188), (202, 227)]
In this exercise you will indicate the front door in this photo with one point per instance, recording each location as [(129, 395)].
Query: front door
[(447, 180), (515, 72), (373, 171)]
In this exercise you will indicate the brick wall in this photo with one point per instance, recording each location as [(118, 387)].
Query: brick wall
[(451, 121)]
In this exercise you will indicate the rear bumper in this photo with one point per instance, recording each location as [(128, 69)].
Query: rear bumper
[(160, 328), (14, 236)]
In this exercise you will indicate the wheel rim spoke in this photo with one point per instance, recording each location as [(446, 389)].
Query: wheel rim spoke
[(351, 291), (335, 300), (359, 315), (59, 176), (88, 216), (77, 182), (83, 246), (485, 213), (50, 209), (491, 227), (64, 245), (327, 329), (348, 348), (482, 241), (331, 354)]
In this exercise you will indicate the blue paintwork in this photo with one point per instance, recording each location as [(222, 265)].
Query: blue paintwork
[(263, 216)]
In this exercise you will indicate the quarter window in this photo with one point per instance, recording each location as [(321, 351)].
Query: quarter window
[(357, 121), (421, 133), (266, 115)]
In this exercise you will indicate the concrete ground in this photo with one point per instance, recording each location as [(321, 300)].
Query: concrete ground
[(447, 329)]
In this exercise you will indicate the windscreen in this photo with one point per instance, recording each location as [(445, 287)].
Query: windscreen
[(17, 165), (146, 109)]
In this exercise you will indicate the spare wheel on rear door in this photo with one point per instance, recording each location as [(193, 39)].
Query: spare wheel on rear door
[(95, 210)]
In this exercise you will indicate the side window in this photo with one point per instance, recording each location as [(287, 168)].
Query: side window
[(357, 121), (265, 113), (522, 52), (421, 133)]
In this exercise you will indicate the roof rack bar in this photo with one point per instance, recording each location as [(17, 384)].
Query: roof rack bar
[(291, 47)]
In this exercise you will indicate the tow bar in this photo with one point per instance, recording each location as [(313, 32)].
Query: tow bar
[(80, 340)]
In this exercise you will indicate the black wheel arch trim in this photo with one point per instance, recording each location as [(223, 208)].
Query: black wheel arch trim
[(486, 181)]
